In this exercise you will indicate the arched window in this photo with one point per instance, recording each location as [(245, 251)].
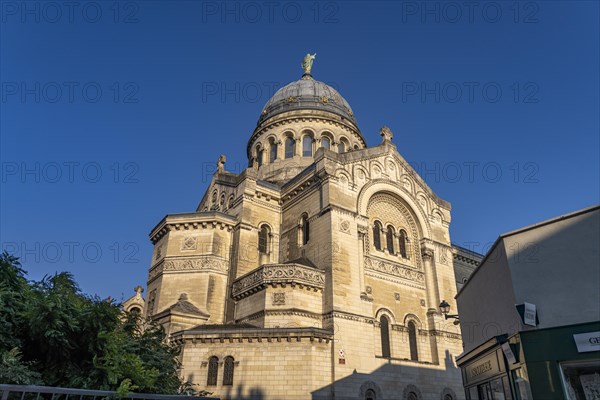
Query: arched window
[(136, 310), (390, 239), (228, 366), (448, 397), (412, 341), (230, 202), (377, 235), (305, 228), (341, 147), (412, 396), (356, 147), (290, 147), (370, 395), (325, 142), (385, 336), (402, 243), (272, 150), (213, 371), (263, 239), (259, 155), (307, 146)]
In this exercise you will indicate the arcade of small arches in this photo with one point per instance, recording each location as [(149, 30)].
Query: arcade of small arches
[(303, 145), (393, 236)]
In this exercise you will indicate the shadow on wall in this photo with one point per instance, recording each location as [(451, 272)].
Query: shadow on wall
[(399, 382), (237, 393)]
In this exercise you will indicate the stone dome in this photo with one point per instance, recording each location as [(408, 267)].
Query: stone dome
[(307, 94)]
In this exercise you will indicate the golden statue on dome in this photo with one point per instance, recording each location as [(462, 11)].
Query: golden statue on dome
[(308, 62)]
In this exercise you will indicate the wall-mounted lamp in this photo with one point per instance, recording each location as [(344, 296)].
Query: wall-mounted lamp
[(445, 309)]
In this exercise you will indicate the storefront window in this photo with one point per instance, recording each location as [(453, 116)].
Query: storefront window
[(492, 390), (581, 380), (521, 384)]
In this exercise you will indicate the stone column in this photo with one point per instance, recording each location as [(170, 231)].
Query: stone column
[(432, 291), (433, 298)]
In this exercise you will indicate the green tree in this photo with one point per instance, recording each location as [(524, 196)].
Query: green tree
[(52, 334)]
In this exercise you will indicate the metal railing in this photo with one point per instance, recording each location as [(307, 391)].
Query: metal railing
[(29, 392)]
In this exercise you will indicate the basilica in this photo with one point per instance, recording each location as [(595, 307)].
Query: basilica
[(315, 273)]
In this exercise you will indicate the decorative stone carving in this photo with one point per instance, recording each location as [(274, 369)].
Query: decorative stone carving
[(221, 163), (279, 299), (394, 269), (189, 243), (196, 263), (427, 254), (448, 393), (386, 134), (370, 386), (293, 274), (411, 392), (397, 296), (345, 226), (422, 302)]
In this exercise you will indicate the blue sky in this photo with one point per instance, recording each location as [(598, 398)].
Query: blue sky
[(114, 113)]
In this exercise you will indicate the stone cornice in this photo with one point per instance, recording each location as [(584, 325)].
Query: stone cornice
[(468, 260), (289, 311), (277, 274), (192, 221), (231, 334)]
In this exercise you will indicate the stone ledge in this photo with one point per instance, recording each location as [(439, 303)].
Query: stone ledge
[(278, 274), (197, 220), (231, 334)]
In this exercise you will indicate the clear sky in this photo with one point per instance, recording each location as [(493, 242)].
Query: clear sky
[(114, 113)]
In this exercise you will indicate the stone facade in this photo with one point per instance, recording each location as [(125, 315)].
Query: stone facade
[(317, 272)]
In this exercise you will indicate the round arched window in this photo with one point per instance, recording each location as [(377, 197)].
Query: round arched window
[(290, 147)]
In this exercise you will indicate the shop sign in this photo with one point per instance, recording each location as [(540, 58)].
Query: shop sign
[(483, 368), (587, 341)]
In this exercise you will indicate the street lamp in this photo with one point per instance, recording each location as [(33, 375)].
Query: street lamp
[(445, 309)]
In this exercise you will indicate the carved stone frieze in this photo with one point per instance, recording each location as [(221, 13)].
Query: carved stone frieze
[(273, 274), (394, 269), (208, 263)]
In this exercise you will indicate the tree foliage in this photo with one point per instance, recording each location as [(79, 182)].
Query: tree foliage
[(52, 334)]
